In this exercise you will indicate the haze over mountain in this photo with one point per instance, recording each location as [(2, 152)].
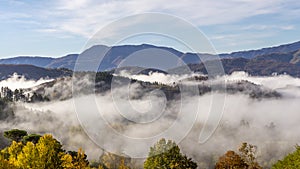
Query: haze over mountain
[(265, 61)]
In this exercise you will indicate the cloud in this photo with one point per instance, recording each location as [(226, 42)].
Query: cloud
[(85, 17), (17, 82), (261, 27)]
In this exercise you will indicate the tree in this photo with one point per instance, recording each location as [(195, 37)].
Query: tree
[(75, 160), (28, 157), (45, 154), (40, 152), (291, 161), (11, 153), (113, 161), (248, 154), (34, 138), (4, 164), (166, 154), (231, 160), (50, 151), (123, 165), (15, 134)]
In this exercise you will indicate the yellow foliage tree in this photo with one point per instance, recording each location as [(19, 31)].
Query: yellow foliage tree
[(44, 153), (13, 152), (123, 165), (49, 152), (28, 157), (5, 164), (67, 161), (77, 161)]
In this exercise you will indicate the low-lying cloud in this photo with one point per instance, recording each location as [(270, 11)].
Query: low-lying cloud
[(269, 123), (18, 81)]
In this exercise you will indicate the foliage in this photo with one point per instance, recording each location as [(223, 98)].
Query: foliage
[(75, 160), (15, 134), (248, 154), (18, 95), (291, 161), (113, 161), (231, 160), (166, 154), (103, 76), (34, 138), (35, 152), (123, 165), (46, 153), (4, 164)]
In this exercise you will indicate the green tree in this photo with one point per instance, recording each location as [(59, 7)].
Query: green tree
[(15, 134), (34, 138), (231, 160), (166, 155), (291, 161)]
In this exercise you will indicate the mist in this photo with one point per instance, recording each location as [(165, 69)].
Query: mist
[(269, 123), (16, 81)]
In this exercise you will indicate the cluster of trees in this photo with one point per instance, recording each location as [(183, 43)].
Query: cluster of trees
[(32, 151), (244, 159), (39, 152), (18, 95)]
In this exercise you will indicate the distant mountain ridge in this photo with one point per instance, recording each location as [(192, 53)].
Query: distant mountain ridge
[(45, 62), (32, 72), (286, 48), (280, 59)]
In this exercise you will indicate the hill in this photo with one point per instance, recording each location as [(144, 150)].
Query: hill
[(263, 65), (32, 72)]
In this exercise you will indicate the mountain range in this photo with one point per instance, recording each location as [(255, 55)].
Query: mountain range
[(280, 59)]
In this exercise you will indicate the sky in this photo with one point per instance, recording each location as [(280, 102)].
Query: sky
[(59, 27)]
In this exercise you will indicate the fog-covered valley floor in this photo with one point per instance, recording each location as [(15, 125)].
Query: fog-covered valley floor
[(271, 123)]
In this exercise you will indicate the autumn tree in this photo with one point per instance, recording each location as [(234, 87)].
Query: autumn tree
[(46, 153), (123, 165), (41, 152), (231, 160), (167, 155), (5, 164), (114, 161), (75, 160)]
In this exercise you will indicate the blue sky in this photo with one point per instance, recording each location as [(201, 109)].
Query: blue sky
[(58, 27)]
